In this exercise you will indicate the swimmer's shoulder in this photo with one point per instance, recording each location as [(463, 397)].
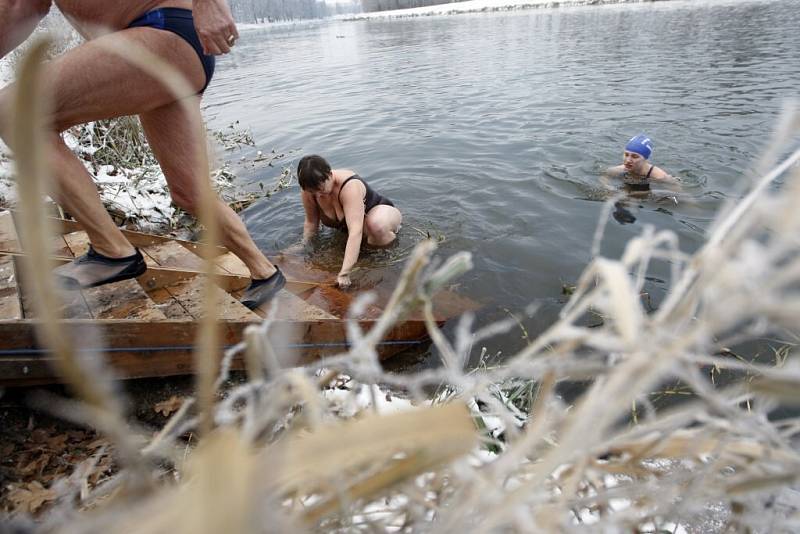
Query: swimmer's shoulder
[(662, 175)]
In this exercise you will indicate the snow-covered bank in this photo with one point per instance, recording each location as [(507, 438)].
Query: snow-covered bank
[(479, 6)]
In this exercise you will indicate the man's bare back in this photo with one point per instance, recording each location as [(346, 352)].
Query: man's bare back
[(89, 15)]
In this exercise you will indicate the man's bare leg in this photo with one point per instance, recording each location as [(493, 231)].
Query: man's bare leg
[(89, 83), (168, 131), (77, 194)]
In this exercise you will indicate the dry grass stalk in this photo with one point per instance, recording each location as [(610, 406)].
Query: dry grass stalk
[(33, 181), (206, 360)]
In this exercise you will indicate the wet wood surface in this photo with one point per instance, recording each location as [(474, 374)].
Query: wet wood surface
[(150, 324), (164, 348), (9, 240), (189, 294), (122, 300)]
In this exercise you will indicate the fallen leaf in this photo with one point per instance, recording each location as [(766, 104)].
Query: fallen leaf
[(35, 466), (167, 407), (57, 442), (31, 497)]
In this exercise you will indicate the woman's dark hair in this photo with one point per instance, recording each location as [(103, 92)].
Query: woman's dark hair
[(312, 171)]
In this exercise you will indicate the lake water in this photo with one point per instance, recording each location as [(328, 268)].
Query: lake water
[(491, 130)]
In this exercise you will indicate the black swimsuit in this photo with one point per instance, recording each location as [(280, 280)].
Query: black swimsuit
[(371, 199), (638, 185)]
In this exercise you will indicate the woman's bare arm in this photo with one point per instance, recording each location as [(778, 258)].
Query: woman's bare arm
[(311, 224), (352, 199)]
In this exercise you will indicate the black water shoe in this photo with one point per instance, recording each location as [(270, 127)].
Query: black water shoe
[(260, 291), (93, 269)]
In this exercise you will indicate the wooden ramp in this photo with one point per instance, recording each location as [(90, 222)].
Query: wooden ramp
[(146, 327)]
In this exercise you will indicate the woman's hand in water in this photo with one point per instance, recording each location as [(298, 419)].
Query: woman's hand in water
[(343, 280)]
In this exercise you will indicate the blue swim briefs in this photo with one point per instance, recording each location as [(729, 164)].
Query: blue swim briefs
[(180, 22)]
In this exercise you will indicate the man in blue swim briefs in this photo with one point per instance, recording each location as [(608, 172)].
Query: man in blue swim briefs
[(90, 83)]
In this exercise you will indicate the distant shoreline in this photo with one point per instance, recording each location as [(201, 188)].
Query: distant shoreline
[(485, 6)]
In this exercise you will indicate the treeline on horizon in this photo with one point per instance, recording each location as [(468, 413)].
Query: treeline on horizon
[(256, 11), (387, 5)]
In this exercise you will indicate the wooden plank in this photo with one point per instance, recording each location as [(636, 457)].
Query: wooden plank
[(60, 248), (170, 307), (122, 300), (73, 305), (337, 302), (172, 254), (9, 240), (232, 264), (137, 239), (160, 349), (292, 307), (78, 242), (189, 294), (10, 303), (296, 267), (76, 304), (158, 277)]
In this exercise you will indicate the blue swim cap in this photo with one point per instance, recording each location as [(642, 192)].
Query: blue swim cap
[(641, 144)]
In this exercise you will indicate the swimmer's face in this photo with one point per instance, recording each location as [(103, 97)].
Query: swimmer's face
[(632, 161), (325, 188)]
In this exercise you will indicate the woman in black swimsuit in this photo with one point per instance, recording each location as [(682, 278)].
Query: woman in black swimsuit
[(341, 199)]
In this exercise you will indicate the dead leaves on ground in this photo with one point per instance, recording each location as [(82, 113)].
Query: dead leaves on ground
[(30, 497), (31, 463)]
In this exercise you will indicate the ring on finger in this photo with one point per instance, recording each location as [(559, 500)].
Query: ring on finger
[(231, 39)]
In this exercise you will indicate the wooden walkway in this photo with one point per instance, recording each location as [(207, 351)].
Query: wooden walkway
[(146, 327)]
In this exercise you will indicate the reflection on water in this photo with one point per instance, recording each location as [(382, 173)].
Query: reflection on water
[(490, 131)]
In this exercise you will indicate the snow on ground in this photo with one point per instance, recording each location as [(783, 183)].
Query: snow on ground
[(6, 167)]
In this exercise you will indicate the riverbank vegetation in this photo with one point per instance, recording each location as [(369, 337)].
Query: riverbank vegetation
[(341, 445)]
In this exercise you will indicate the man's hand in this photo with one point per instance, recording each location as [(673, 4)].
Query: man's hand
[(18, 18), (343, 281), (215, 26)]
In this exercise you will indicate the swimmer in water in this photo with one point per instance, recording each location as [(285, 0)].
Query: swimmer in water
[(636, 171), (341, 199)]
